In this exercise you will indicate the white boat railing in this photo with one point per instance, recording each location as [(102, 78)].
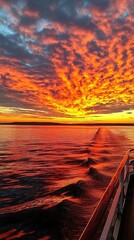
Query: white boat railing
[(120, 181)]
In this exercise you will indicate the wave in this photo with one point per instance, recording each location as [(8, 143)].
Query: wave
[(94, 173), (75, 190), (88, 162), (58, 222), (85, 170)]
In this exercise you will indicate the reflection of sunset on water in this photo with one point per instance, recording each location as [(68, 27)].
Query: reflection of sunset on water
[(67, 62), (53, 179)]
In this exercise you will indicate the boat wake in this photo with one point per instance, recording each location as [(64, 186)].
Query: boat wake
[(54, 196)]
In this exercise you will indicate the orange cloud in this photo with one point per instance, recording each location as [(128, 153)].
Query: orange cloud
[(73, 72)]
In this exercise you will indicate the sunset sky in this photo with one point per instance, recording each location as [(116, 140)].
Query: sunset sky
[(68, 61)]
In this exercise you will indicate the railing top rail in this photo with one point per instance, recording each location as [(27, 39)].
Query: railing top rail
[(95, 219)]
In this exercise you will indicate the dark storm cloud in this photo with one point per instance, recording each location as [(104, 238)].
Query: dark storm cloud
[(124, 55), (53, 34), (9, 47), (62, 6), (64, 12), (28, 20), (110, 108), (7, 98), (94, 48), (15, 47), (124, 39), (5, 78), (78, 60), (101, 4), (48, 32), (101, 35), (116, 68)]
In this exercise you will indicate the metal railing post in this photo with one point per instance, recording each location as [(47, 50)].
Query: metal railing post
[(113, 220)]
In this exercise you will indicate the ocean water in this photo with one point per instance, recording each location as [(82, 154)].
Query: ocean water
[(52, 177)]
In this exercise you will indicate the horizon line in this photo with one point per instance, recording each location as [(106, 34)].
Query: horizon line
[(57, 123)]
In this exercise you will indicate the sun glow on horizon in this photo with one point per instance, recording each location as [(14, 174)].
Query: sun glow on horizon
[(10, 115)]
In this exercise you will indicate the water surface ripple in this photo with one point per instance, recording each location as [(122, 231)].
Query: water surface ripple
[(52, 177)]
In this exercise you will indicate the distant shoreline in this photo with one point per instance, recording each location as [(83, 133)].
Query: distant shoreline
[(67, 124)]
